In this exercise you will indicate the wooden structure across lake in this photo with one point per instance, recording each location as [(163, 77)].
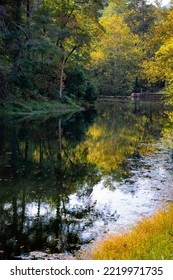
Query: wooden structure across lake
[(133, 96), (147, 96)]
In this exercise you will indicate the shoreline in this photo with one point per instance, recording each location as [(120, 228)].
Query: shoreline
[(33, 108)]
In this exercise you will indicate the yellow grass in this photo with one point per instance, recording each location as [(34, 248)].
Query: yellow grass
[(151, 238)]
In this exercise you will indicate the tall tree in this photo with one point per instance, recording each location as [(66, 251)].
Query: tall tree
[(158, 67), (42, 36), (140, 16), (116, 57), (77, 22), (18, 12)]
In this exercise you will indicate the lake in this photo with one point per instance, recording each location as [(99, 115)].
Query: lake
[(68, 181)]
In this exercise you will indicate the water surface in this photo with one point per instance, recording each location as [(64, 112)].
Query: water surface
[(67, 181)]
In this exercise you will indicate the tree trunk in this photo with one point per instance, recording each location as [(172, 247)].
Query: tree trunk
[(15, 61), (61, 78), (28, 8), (64, 60), (18, 11)]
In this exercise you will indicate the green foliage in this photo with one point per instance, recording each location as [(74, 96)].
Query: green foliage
[(91, 93), (38, 107), (76, 83), (82, 47), (38, 39), (79, 85), (140, 16)]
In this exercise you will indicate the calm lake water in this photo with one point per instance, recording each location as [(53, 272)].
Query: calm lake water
[(68, 181)]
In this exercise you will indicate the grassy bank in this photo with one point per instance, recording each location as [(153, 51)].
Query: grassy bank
[(37, 107), (152, 238)]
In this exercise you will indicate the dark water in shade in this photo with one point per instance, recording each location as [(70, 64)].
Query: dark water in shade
[(66, 181)]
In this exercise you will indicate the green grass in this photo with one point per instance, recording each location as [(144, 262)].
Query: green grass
[(150, 239), (37, 107)]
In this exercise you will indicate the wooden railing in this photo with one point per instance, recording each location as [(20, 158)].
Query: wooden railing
[(146, 96)]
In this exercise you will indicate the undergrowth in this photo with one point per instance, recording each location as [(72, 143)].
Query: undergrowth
[(36, 107), (150, 239)]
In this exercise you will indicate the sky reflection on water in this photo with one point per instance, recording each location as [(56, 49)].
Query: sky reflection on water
[(65, 182)]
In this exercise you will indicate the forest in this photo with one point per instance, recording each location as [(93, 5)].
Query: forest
[(81, 49), (80, 159)]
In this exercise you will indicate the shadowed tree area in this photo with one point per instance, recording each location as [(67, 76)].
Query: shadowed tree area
[(79, 49)]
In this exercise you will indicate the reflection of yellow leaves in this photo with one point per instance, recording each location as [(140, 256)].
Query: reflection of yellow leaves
[(113, 139), (106, 155), (167, 131), (36, 155), (146, 149), (170, 115), (95, 131), (107, 149)]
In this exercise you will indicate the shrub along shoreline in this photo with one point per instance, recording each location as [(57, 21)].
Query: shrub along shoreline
[(150, 239)]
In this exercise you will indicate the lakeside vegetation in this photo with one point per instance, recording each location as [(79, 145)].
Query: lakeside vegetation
[(81, 49), (38, 107), (58, 56), (150, 239)]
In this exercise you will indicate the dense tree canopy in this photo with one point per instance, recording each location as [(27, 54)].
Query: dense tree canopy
[(51, 49), (116, 57)]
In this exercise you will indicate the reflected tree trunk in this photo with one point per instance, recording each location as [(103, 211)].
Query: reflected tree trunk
[(38, 226), (151, 115), (23, 209), (13, 153), (59, 156), (26, 150), (15, 216), (18, 148), (15, 232), (38, 208), (49, 149), (41, 153), (58, 223)]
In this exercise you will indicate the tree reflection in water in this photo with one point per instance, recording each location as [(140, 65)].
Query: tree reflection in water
[(50, 167)]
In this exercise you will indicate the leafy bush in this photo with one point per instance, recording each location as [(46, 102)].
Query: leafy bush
[(91, 93), (79, 85)]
